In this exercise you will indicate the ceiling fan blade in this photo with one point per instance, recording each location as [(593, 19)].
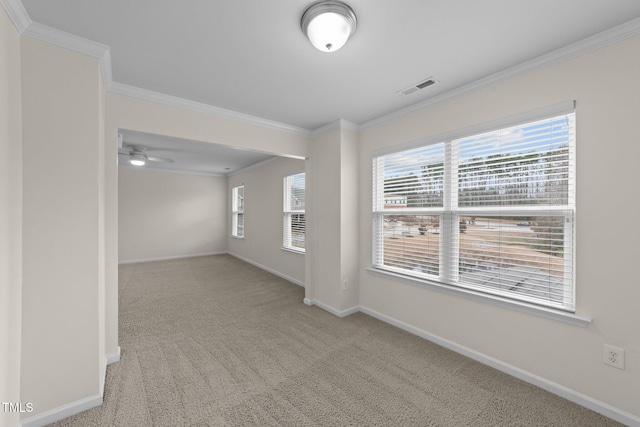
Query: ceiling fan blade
[(159, 159), (134, 147), (168, 149), (124, 153), (145, 149)]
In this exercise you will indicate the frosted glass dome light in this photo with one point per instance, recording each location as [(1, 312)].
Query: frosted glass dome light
[(328, 25)]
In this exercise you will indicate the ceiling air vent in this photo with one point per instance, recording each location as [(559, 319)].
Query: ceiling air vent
[(418, 86)]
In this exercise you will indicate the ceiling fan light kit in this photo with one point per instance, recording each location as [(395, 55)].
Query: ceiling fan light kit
[(137, 159), (137, 155), (328, 24)]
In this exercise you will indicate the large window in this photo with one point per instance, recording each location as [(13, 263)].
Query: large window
[(294, 219), (490, 212), (237, 211)]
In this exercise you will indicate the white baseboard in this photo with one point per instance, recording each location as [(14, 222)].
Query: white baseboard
[(103, 378), (557, 389), (138, 261), (267, 269), (109, 359), (114, 357), (335, 312), (76, 407), (61, 412)]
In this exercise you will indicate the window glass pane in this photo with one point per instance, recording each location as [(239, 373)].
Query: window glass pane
[(412, 242), (240, 225), (519, 255), (520, 165), (297, 230), (240, 199), (297, 192), (414, 178)]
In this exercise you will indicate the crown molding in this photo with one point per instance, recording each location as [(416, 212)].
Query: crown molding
[(75, 43), (66, 40), (336, 124), (17, 13), (23, 23), (174, 101), (597, 41)]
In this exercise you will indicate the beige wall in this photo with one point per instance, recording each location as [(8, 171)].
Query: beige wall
[(605, 84), (324, 222), (125, 112), (262, 242), (110, 164), (163, 215), (102, 237), (332, 229), (61, 360), (349, 217), (10, 216)]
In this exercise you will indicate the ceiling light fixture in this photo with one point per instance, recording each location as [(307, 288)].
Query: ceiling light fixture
[(137, 159), (328, 24)]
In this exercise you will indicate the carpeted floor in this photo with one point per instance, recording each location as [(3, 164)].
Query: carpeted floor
[(213, 341)]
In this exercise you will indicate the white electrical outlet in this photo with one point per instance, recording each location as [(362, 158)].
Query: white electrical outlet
[(345, 285), (613, 356)]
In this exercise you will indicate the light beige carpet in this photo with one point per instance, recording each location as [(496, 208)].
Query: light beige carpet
[(213, 341)]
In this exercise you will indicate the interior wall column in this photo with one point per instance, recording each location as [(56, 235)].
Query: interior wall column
[(62, 359), (332, 219)]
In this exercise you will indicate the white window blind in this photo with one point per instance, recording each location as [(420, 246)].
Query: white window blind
[(490, 212), (237, 211), (294, 212)]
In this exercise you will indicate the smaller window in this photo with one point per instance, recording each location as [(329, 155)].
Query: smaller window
[(237, 211), (294, 212)]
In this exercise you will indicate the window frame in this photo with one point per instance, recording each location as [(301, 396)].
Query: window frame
[(237, 211), (450, 213), (288, 212)]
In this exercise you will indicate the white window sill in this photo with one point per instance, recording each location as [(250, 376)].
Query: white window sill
[(294, 251), (545, 312), (237, 237)]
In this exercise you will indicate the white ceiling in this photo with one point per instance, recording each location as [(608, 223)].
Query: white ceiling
[(251, 57), (189, 156)]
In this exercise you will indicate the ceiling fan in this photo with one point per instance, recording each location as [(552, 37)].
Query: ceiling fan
[(137, 155)]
